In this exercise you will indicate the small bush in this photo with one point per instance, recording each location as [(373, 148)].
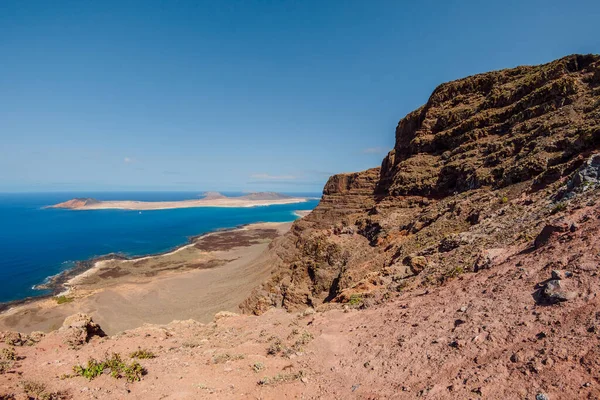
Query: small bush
[(258, 366), (118, 369), (142, 354), (303, 340), (222, 358), (5, 366), (63, 299), (8, 354), (275, 347), (504, 200), (281, 378), (559, 207), (355, 300), (94, 369), (453, 273), (37, 391)]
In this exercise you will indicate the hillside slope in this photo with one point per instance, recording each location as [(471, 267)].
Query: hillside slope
[(477, 167)]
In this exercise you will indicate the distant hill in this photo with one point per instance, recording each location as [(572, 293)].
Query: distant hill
[(77, 202), (265, 196), (213, 195)]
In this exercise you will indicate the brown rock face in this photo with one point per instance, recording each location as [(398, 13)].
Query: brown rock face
[(478, 167), (496, 129)]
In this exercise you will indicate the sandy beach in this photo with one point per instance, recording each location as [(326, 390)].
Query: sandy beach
[(215, 272), (302, 213)]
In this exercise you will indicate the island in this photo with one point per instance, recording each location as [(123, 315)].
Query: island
[(209, 199)]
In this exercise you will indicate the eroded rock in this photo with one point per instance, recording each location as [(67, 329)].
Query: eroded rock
[(550, 230), (79, 328), (553, 292)]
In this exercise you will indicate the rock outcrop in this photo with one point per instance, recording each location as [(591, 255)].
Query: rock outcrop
[(481, 165)]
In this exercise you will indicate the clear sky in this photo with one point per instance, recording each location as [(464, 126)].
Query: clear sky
[(242, 95)]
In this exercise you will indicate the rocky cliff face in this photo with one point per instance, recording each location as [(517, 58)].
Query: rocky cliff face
[(483, 165)]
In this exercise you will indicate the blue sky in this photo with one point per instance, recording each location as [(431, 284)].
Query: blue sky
[(242, 95)]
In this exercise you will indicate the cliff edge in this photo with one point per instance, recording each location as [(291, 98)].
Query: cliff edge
[(478, 166)]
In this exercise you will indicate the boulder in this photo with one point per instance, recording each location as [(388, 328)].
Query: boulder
[(587, 176), (487, 258), (551, 229), (79, 328), (553, 292), (225, 314), (416, 263)]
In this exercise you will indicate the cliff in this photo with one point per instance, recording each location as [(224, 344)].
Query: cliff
[(476, 167)]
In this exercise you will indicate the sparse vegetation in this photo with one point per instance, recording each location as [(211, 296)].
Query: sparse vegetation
[(303, 340), (118, 369), (275, 347), (13, 340), (5, 366), (222, 358), (355, 299), (559, 207), (94, 368), (453, 273), (8, 354), (63, 299), (504, 200), (258, 366), (38, 391), (281, 378), (142, 354)]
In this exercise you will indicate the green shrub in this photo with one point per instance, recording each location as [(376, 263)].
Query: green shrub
[(94, 368), (118, 369), (63, 299), (355, 299)]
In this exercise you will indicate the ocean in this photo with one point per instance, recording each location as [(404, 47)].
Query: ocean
[(36, 243)]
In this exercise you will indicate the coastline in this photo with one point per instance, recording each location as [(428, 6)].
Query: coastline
[(302, 213), (65, 282)]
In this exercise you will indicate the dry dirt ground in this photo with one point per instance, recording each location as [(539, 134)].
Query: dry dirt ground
[(485, 335)]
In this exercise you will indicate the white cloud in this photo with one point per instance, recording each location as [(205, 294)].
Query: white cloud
[(128, 160), (272, 177), (374, 150)]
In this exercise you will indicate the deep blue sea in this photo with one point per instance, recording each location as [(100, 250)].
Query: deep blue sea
[(36, 243)]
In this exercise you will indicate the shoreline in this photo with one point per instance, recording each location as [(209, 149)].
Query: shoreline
[(62, 282), (212, 272)]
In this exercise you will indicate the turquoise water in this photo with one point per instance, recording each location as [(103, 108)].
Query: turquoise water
[(36, 243)]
